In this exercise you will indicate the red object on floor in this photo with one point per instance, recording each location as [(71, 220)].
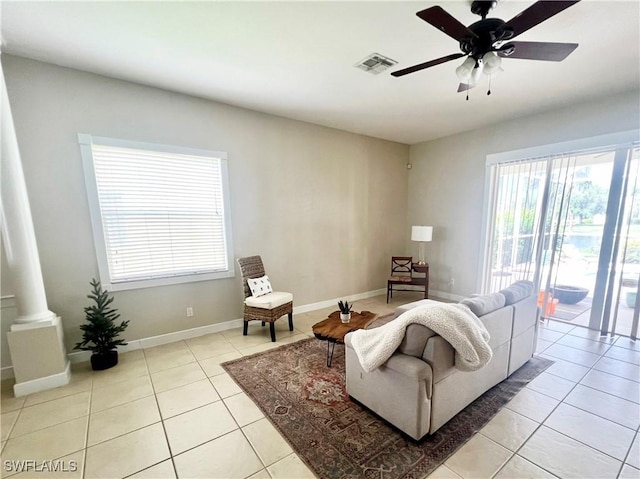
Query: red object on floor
[(550, 308)]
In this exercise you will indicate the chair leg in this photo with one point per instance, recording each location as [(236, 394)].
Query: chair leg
[(290, 321), (245, 326), (388, 289), (272, 328)]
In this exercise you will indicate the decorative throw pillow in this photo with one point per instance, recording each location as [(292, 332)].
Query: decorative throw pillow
[(260, 286)]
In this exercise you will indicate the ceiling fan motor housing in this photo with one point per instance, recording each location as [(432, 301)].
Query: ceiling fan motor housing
[(488, 31), (483, 7)]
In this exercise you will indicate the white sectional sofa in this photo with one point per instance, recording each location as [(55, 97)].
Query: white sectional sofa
[(419, 388)]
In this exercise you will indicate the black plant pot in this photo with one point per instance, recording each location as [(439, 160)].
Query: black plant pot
[(104, 361)]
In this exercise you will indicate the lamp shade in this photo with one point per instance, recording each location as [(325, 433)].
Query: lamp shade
[(421, 233)]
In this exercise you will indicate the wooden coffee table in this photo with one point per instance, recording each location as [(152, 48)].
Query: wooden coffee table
[(333, 330)]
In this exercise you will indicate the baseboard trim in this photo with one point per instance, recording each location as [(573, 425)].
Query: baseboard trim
[(41, 384), (81, 356), (333, 302), (444, 295)]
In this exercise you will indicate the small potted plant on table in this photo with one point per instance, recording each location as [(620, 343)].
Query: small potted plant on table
[(100, 332), (345, 311)]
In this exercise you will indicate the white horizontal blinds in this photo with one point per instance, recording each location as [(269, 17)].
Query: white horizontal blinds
[(162, 213)]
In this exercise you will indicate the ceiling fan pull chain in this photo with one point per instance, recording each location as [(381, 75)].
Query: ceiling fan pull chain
[(489, 90)]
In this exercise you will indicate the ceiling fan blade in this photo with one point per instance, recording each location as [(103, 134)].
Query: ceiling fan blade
[(422, 66), (535, 14), (546, 51), (440, 19)]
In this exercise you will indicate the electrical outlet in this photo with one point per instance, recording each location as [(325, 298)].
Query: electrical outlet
[(452, 282), (189, 312)]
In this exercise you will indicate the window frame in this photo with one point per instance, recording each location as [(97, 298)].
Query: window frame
[(86, 141)]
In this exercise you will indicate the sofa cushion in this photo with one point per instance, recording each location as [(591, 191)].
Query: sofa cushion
[(499, 323), (481, 305), (517, 291), (269, 300), (525, 314)]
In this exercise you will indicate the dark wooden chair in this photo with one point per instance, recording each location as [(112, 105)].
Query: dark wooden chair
[(267, 308), (401, 273)]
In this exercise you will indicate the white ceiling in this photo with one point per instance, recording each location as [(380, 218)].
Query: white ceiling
[(295, 59)]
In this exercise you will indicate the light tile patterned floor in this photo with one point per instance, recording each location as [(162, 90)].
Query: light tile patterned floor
[(171, 411)]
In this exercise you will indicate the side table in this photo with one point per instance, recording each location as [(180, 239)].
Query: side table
[(333, 330), (422, 269)]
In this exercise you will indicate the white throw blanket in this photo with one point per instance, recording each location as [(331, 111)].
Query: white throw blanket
[(453, 322)]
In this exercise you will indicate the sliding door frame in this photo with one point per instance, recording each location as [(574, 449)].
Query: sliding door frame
[(605, 276)]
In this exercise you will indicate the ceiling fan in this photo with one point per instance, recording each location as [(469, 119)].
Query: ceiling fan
[(487, 41)]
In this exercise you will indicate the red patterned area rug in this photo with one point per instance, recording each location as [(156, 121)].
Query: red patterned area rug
[(337, 438)]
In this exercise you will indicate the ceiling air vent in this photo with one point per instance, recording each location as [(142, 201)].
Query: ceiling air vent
[(375, 63)]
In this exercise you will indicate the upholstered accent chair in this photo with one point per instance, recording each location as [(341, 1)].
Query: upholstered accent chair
[(268, 307)]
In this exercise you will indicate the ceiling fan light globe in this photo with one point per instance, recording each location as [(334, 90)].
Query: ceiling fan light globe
[(475, 76), (491, 62), (465, 70)]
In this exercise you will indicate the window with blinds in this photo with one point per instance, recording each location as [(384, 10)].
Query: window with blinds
[(159, 213)]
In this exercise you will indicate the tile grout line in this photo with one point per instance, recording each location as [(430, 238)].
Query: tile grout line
[(238, 424), (164, 429), (83, 449), (222, 400), (565, 435), (9, 435), (636, 437), (86, 438), (540, 424)]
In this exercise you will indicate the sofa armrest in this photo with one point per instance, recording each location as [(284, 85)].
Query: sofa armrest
[(413, 368), (409, 366), (441, 357)]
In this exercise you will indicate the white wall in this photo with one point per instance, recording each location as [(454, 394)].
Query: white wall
[(447, 181), (326, 209)]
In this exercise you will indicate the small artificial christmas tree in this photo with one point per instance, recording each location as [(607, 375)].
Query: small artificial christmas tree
[(100, 333)]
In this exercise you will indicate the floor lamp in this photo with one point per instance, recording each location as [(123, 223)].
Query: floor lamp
[(422, 234)]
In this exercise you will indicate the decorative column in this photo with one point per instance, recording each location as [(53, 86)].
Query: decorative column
[(36, 341)]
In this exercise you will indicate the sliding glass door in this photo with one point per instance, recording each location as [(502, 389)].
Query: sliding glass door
[(569, 223), (615, 306)]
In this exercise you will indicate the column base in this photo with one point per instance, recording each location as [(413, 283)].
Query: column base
[(38, 356)]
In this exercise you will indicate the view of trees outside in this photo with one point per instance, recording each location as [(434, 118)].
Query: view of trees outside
[(577, 263)]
